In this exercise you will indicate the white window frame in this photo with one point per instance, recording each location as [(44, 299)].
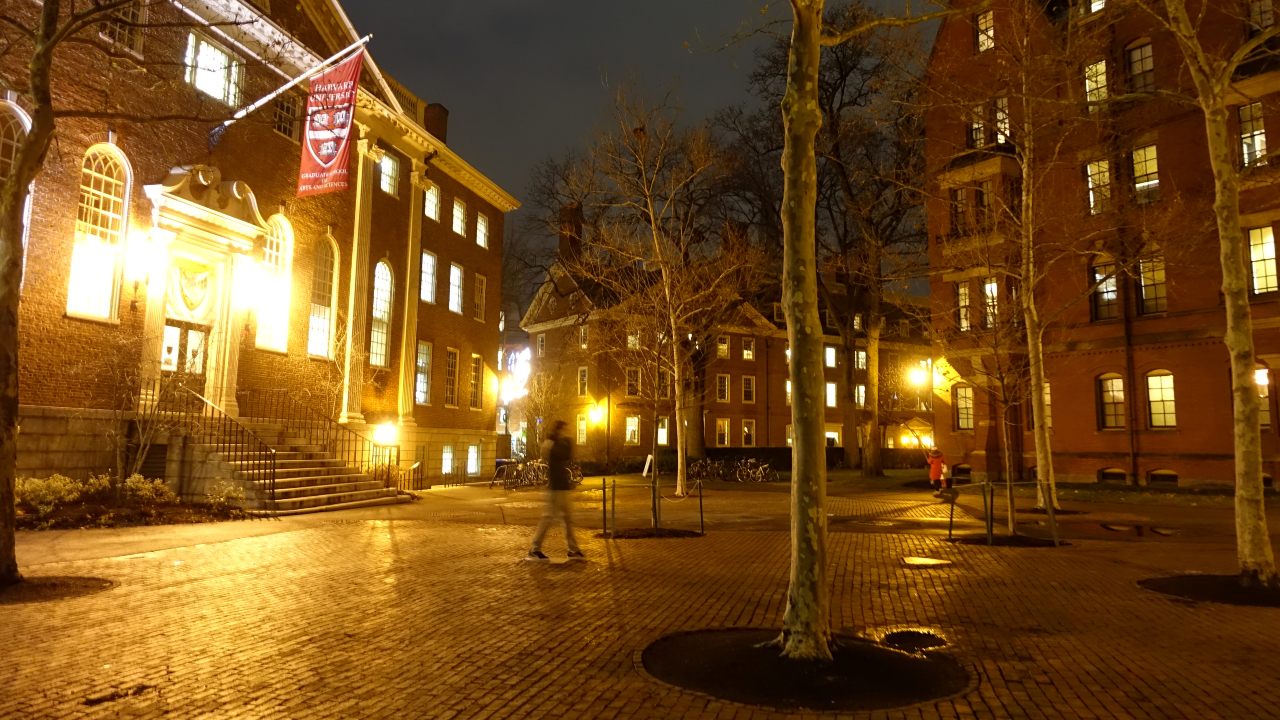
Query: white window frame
[(664, 429), (389, 174), (749, 389), (1161, 401), (985, 28), (452, 361), (422, 374), (832, 395), (446, 460), (1098, 178), (631, 383), (582, 382), (459, 217), (203, 79), (1095, 84), (481, 288), (473, 459), (380, 316), (1146, 174), (748, 432), (477, 382), (275, 286), (93, 256), (482, 230), (427, 283), (964, 407), (321, 319), (632, 430), (723, 428), (582, 430), (829, 356), (1253, 134), (722, 347), (456, 275), (749, 349), (542, 345), (431, 202), (724, 385), (1262, 260)]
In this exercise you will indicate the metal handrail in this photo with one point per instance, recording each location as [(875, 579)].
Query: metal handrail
[(233, 439), (345, 444)]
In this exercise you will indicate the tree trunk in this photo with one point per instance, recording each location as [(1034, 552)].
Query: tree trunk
[(696, 445), (13, 198), (805, 627), (872, 462), (852, 451), (1006, 457), (1253, 544), (682, 432)]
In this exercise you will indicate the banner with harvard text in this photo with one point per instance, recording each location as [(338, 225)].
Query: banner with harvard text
[(326, 143)]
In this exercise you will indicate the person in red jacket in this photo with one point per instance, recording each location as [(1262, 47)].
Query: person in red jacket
[(936, 463)]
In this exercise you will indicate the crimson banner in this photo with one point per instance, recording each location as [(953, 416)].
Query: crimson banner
[(326, 144)]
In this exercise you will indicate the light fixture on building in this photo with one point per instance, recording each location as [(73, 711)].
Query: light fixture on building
[(384, 434), (596, 413), (918, 376)]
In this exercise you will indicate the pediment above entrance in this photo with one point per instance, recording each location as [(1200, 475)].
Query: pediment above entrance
[(196, 202)]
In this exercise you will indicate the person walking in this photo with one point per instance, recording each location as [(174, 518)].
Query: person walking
[(559, 451), (937, 463)]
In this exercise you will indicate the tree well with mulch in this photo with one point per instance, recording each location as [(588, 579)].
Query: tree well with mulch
[(1214, 588), (649, 532), (731, 664), (46, 588)]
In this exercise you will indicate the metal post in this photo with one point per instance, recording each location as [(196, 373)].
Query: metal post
[(613, 509), (952, 521), (991, 514), (604, 506), (702, 522)]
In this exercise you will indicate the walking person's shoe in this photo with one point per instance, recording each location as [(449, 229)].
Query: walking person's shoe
[(576, 555), (536, 556)]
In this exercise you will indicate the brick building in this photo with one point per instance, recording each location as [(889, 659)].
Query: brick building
[(376, 306), (1138, 376), (591, 371)]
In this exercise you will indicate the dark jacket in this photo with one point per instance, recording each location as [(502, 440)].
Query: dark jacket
[(558, 464)]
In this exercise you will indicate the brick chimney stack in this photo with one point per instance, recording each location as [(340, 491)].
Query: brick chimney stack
[(570, 231), (435, 120)]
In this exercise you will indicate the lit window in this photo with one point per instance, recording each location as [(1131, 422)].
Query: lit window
[(1253, 136), (722, 432), (124, 27), (1142, 72), (446, 460), (582, 337), (1095, 84), (777, 313), (455, 288), (213, 71), (381, 314), (990, 302), (277, 286), (1151, 276), (12, 132), (722, 347), (1111, 401), (100, 222), (473, 459), (1092, 6), (1262, 378), (482, 230), (748, 433), (582, 382), (389, 174), (542, 345), (959, 212), (1048, 407), (1262, 260), (582, 429), (427, 283), (829, 356), (1098, 176), (964, 407), (860, 359), (633, 382), (320, 326), (431, 202), (788, 392), (633, 430), (481, 286), (748, 389), (422, 375), (664, 384), (977, 134), (748, 348), (986, 30), (860, 396), (451, 378), (1160, 403), (788, 436), (663, 430), (286, 116), (722, 388), (459, 217), (1004, 128), (1261, 16), (477, 383), (1146, 174), (831, 394), (1105, 298)]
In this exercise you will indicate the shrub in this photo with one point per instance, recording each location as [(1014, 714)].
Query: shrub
[(225, 496), (148, 492), (45, 494)]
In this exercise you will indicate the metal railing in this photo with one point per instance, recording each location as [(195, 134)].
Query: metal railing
[(297, 418), (206, 424)]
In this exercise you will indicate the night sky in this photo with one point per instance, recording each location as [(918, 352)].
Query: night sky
[(528, 79)]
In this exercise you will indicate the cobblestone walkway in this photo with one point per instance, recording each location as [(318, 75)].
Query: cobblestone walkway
[(438, 618)]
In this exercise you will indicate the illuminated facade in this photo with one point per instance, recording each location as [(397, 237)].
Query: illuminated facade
[(377, 306)]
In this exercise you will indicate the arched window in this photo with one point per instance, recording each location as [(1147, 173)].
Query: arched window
[(381, 327), (94, 286), (1160, 406), (323, 293), (1162, 476), (13, 129), (277, 271), (1113, 475), (1110, 401)]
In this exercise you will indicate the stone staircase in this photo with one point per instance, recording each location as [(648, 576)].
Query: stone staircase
[(308, 477)]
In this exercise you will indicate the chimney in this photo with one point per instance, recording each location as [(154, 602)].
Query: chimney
[(435, 119), (570, 231)]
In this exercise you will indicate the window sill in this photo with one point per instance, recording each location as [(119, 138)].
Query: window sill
[(319, 358), (451, 407), (92, 319), (273, 351)]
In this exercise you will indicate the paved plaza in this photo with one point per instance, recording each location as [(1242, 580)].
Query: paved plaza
[(427, 610)]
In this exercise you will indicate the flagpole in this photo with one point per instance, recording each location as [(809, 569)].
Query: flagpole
[(216, 133)]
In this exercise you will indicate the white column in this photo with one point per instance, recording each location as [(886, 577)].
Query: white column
[(153, 325), (357, 297), (409, 342), (238, 267)]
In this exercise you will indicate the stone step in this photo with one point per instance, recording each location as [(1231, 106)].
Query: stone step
[(294, 493), (315, 503), (308, 481), (348, 505)]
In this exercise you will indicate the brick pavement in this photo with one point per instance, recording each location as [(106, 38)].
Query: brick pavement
[(436, 617)]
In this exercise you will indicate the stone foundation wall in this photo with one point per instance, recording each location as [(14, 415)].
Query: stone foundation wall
[(65, 441)]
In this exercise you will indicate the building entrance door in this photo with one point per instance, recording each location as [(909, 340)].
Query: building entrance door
[(182, 355)]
